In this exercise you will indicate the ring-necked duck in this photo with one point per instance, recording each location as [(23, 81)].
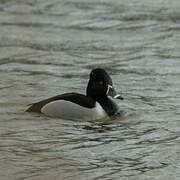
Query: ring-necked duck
[(96, 104)]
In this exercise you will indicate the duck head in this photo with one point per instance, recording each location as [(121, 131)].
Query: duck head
[(100, 85)]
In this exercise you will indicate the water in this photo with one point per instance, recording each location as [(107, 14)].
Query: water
[(49, 47)]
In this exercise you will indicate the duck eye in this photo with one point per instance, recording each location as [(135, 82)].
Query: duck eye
[(101, 82)]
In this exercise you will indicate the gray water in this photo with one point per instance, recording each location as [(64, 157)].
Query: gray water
[(49, 47)]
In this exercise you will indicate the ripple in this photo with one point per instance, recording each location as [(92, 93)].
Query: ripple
[(49, 47)]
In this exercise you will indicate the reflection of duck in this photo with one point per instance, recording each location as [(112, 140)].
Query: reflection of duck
[(95, 105)]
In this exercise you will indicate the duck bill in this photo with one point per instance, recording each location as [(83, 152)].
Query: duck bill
[(112, 92)]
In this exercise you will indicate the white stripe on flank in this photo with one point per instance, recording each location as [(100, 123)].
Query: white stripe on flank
[(68, 110)]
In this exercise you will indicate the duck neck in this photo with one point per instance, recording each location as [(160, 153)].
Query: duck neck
[(109, 106)]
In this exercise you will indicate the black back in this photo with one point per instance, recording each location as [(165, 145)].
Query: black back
[(76, 98)]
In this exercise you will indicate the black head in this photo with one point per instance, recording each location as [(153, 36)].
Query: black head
[(100, 85)]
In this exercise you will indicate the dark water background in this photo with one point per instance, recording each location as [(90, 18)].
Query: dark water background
[(49, 47)]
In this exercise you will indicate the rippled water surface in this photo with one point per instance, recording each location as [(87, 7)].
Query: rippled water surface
[(49, 47)]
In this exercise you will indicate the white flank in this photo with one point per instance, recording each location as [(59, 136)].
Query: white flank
[(68, 110)]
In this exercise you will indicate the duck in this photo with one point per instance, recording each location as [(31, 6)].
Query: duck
[(98, 102)]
